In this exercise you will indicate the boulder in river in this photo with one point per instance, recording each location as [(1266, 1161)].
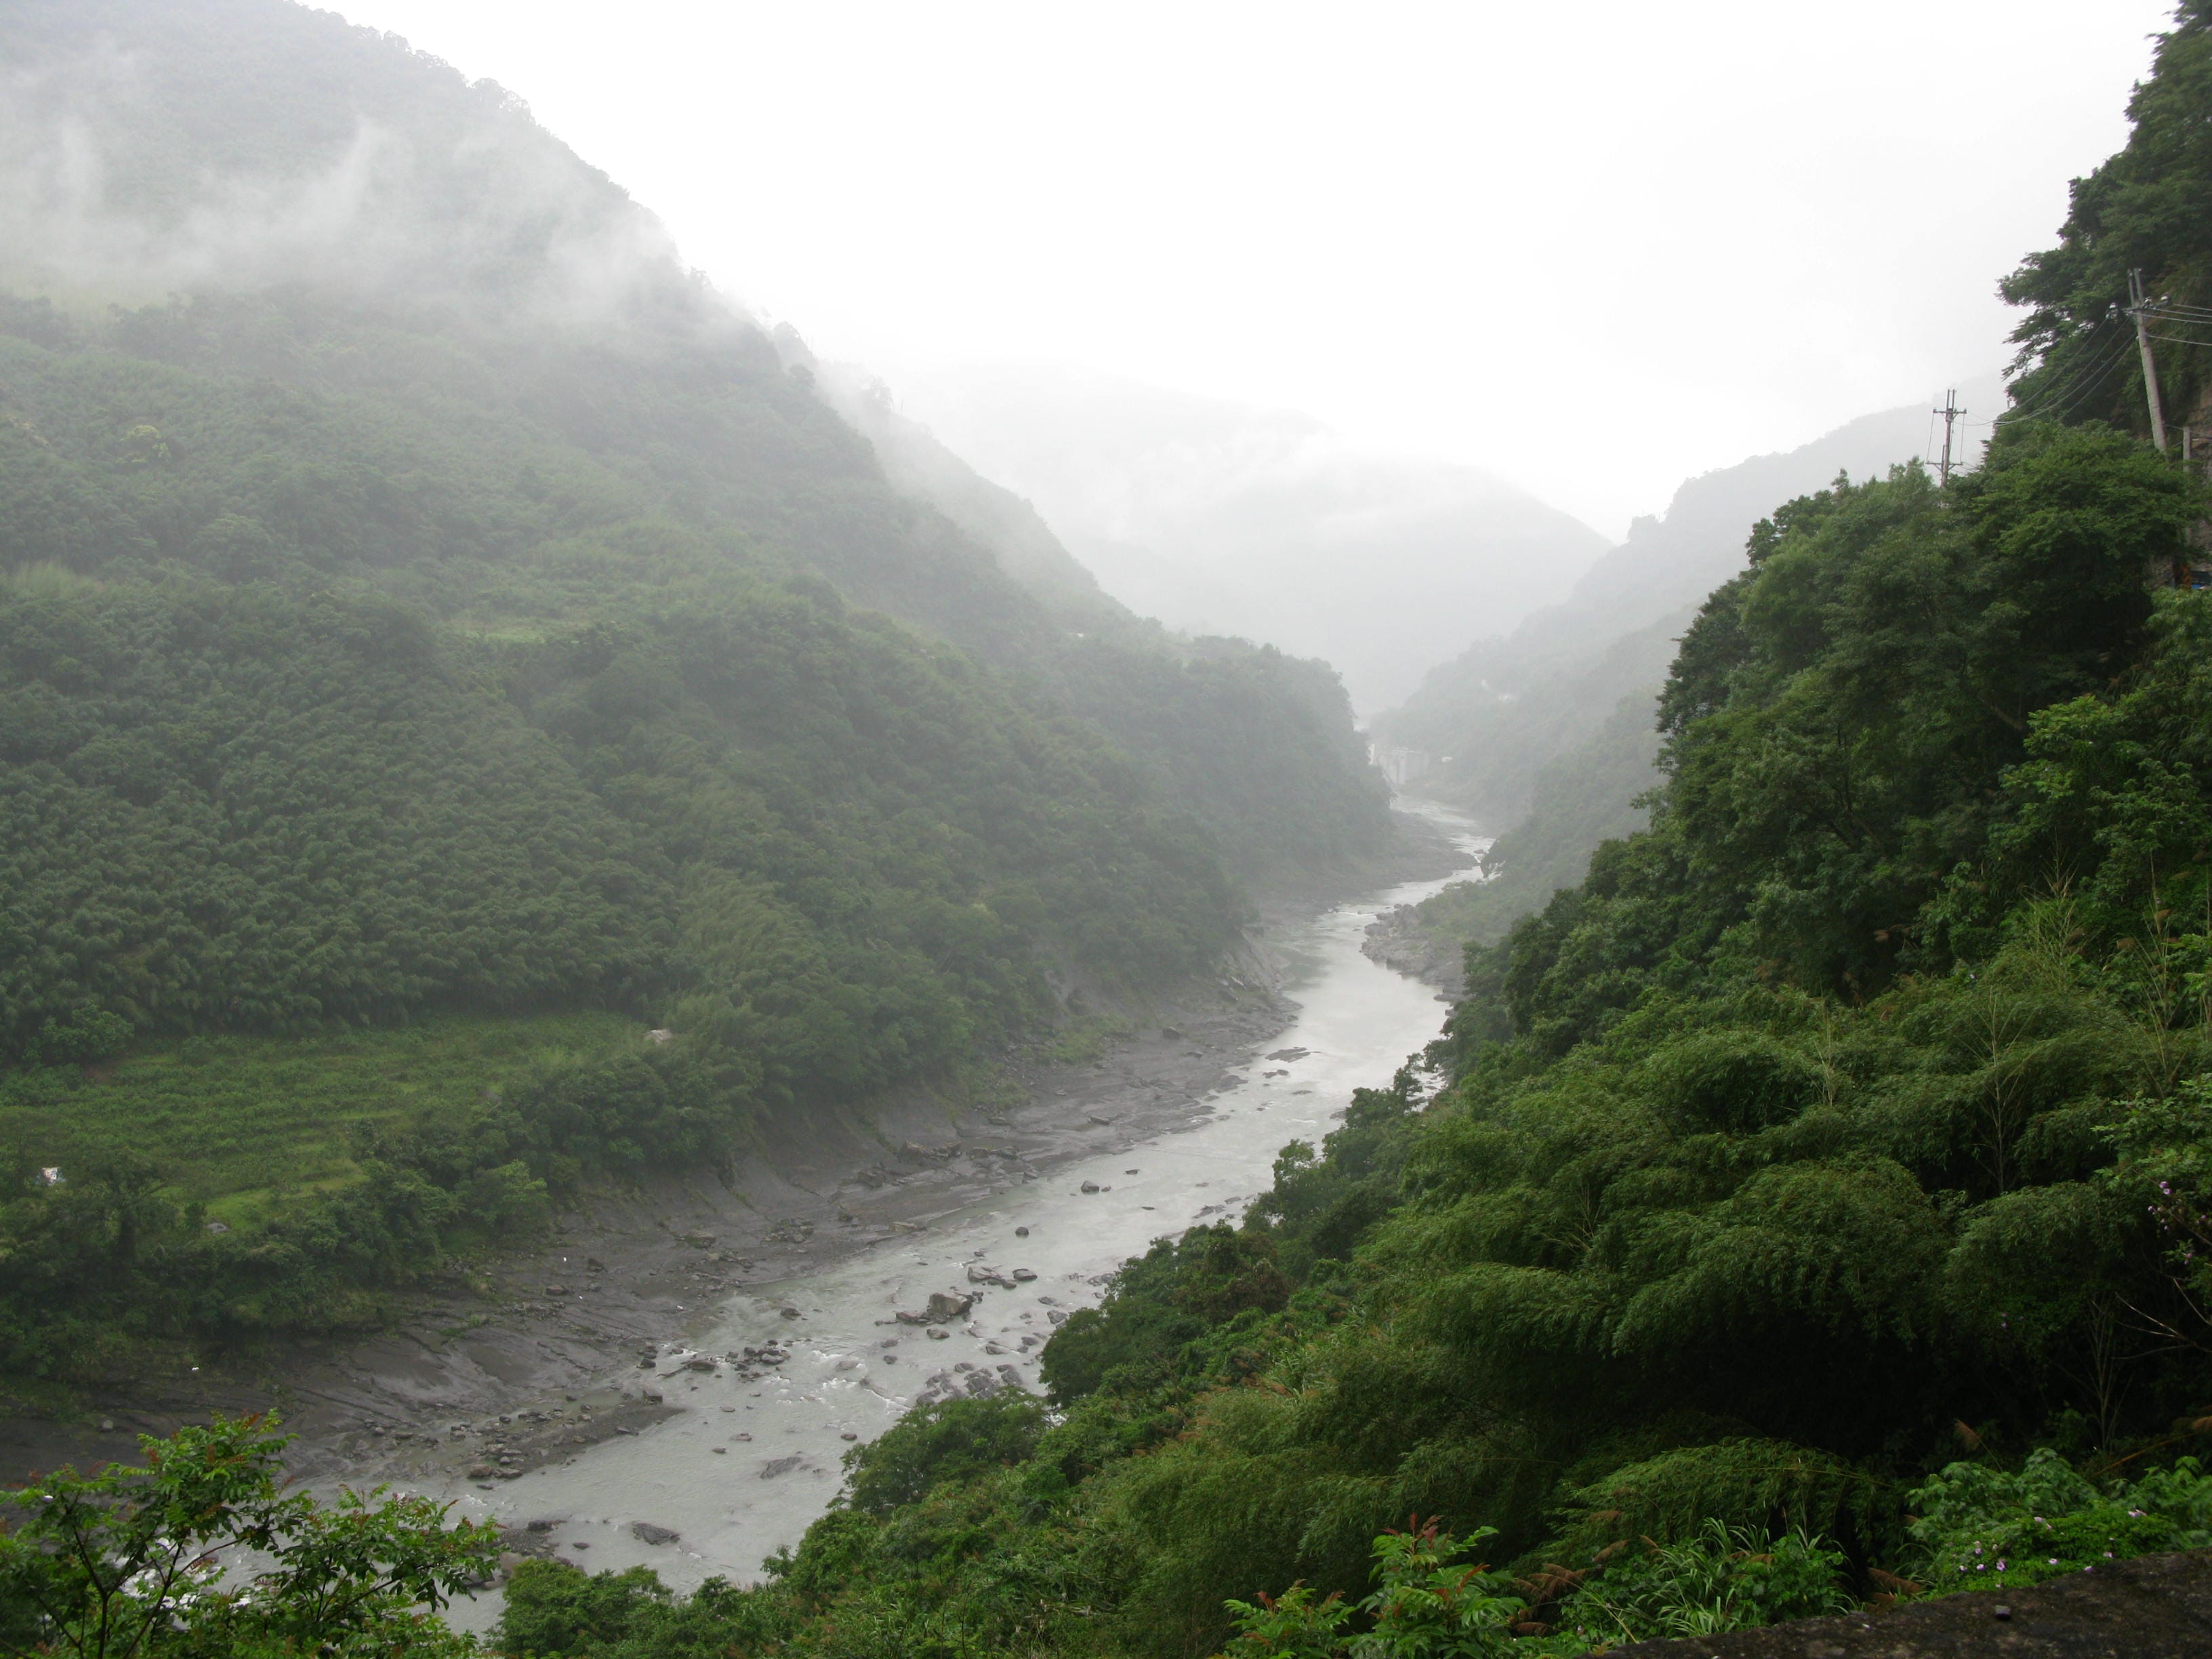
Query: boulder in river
[(1023, 1275), (646, 1533), (776, 1466), (979, 1274), (942, 1310)]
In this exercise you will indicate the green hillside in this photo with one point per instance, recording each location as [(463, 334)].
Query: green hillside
[(421, 599), (1580, 800), (1546, 737), (1809, 1209)]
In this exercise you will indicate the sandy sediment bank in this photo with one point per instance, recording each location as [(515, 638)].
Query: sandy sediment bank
[(1395, 940)]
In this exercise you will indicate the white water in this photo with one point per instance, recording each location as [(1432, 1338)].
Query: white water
[(853, 1369)]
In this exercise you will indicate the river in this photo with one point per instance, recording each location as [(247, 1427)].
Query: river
[(746, 1465)]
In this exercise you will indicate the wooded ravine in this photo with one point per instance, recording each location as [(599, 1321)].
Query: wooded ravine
[(448, 646)]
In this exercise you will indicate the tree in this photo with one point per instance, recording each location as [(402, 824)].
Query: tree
[(151, 1559)]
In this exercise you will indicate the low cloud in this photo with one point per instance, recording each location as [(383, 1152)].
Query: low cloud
[(99, 200)]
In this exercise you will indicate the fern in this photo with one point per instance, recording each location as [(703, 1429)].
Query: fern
[(1766, 1485)]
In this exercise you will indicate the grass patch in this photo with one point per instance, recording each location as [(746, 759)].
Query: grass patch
[(1083, 1039), (231, 1120)]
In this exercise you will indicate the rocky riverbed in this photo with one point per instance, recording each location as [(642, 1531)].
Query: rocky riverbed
[(675, 1378)]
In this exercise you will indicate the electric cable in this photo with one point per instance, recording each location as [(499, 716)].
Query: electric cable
[(2090, 368), (2087, 380)]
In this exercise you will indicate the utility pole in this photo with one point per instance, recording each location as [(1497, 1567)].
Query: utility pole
[(2138, 302), (1950, 412)]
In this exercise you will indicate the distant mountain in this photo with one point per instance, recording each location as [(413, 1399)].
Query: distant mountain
[(1507, 706), (1547, 735), (918, 464), (1220, 518), (424, 599)]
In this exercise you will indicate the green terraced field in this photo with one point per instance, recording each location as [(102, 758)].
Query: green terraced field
[(235, 1120)]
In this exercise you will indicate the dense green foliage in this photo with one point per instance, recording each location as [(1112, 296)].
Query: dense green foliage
[(241, 1125), (1840, 719), (420, 597), (1495, 719), (831, 857), (129, 1560), (1854, 1116), (1979, 1527), (1855, 1113), (1742, 1218), (1581, 799), (1544, 738), (2143, 210)]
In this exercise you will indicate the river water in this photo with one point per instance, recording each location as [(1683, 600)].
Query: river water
[(746, 1465)]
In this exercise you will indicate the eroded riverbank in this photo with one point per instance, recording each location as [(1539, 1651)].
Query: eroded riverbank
[(531, 1404), (771, 1383)]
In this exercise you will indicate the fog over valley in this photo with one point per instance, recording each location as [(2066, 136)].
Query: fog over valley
[(1046, 832), (1225, 519)]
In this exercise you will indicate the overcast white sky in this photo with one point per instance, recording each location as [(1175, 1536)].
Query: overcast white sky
[(1595, 247)]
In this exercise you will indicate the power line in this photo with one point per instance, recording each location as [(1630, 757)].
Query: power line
[(2090, 369), (2089, 388), (2090, 372), (2086, 380)]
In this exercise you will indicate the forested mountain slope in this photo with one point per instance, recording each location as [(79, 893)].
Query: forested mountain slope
[(1223, 518), (1548, 736), (421, 597), (1810, 1208), (1505, 708), (512, 354)]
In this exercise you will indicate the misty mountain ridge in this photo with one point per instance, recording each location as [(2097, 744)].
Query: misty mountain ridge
[(1549, 736), (1220, 518), (438, 248), (423, 601), (147, 151), (920, 464), (1487, 720)]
